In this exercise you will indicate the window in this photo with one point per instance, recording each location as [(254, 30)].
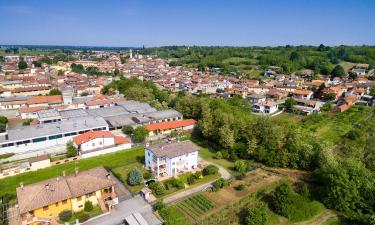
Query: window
[(45, 208), (93, 144), (90, 194), (56, 204), (64, 202), (79, 199), (100, 143)]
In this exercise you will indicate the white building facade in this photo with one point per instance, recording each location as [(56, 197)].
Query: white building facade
[(171, 159)]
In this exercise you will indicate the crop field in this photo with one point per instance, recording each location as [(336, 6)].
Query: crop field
[(194, 207)]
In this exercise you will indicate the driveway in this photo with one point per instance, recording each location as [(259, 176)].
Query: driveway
[(124, 209)]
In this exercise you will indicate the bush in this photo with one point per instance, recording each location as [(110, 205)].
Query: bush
[(210, 170), (140, 133), (82, 216), (240, 187), (88, 206), (147, 175), (191, 179), (198, 175), (218, 155), (3, 120), (257, 215), (159, 205), (220, 183), (241, 166), (157, 187), (65, 215), (176, 183), (135, 177)]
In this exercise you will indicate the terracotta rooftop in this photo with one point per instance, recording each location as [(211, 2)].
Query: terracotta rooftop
[(50, 191), (55, 99), (302, 92), (91, 135), (170, 125)]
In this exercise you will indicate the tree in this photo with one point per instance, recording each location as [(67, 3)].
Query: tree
[(135, 177), (352, 76), (372, 91), (3, 120), (289, 103), (329, 97), (88, 206), (3, 127), (22, 65), (60, 73), (37, 64), (71, 151), (54, 92), (241, 166), (294, 56), (128, 130), (338, 71), (140, 133), (257, 215)]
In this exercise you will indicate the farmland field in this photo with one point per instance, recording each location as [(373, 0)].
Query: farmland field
[(195, 207)]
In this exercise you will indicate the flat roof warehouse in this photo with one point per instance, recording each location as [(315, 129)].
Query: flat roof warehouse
[(59, 124)]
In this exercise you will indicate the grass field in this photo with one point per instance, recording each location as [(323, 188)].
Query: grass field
[(208, 155), (331, 126), (121, 159), (122, 172)]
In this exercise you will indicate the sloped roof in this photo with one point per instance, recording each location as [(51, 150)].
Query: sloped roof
[(170, 125), (91, 135), (50, 191)]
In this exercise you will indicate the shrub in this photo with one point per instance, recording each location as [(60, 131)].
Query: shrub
[(257, 215), (88, 206), (82, 216), (140, 133), (198, 175), (147, 175), (220, 183), (191, 179), (241, 166), (176, 183), (135, 177), (210, 170), (157, 187), (3, 120), (159, 205), (65, 215), (218, 155), (240, 187)]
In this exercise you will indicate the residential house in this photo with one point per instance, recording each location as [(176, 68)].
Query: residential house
[(256, 98), (308, 106), (302, 94), (171, 159), (41, 203), (267, 107), (94, 140)]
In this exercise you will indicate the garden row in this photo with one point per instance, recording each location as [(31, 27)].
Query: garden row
[(194, 207)]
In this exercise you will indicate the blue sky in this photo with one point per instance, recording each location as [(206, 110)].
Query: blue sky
[(187, 22)]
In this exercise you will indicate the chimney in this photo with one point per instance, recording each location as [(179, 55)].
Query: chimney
[(76, 171), (162, 147), (47, 187), (108, 176), (63, 173), (21, 185), (58, 178)]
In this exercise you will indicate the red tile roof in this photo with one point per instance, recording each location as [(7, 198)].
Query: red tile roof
[(121, 140), (170, 125), (55, 99), (91, 135)]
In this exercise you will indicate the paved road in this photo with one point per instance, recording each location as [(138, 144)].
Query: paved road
[(183, 194), (124, 209)]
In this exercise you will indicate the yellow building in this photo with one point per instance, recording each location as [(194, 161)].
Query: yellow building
[(43, 201)]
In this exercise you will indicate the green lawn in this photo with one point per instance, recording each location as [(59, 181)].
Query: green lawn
[(122, 174), (208, 155), (110, 161)]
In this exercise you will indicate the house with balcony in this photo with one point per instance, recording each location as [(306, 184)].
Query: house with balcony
[(41, 203), (266, 107), (302, 94), (170, 159)]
